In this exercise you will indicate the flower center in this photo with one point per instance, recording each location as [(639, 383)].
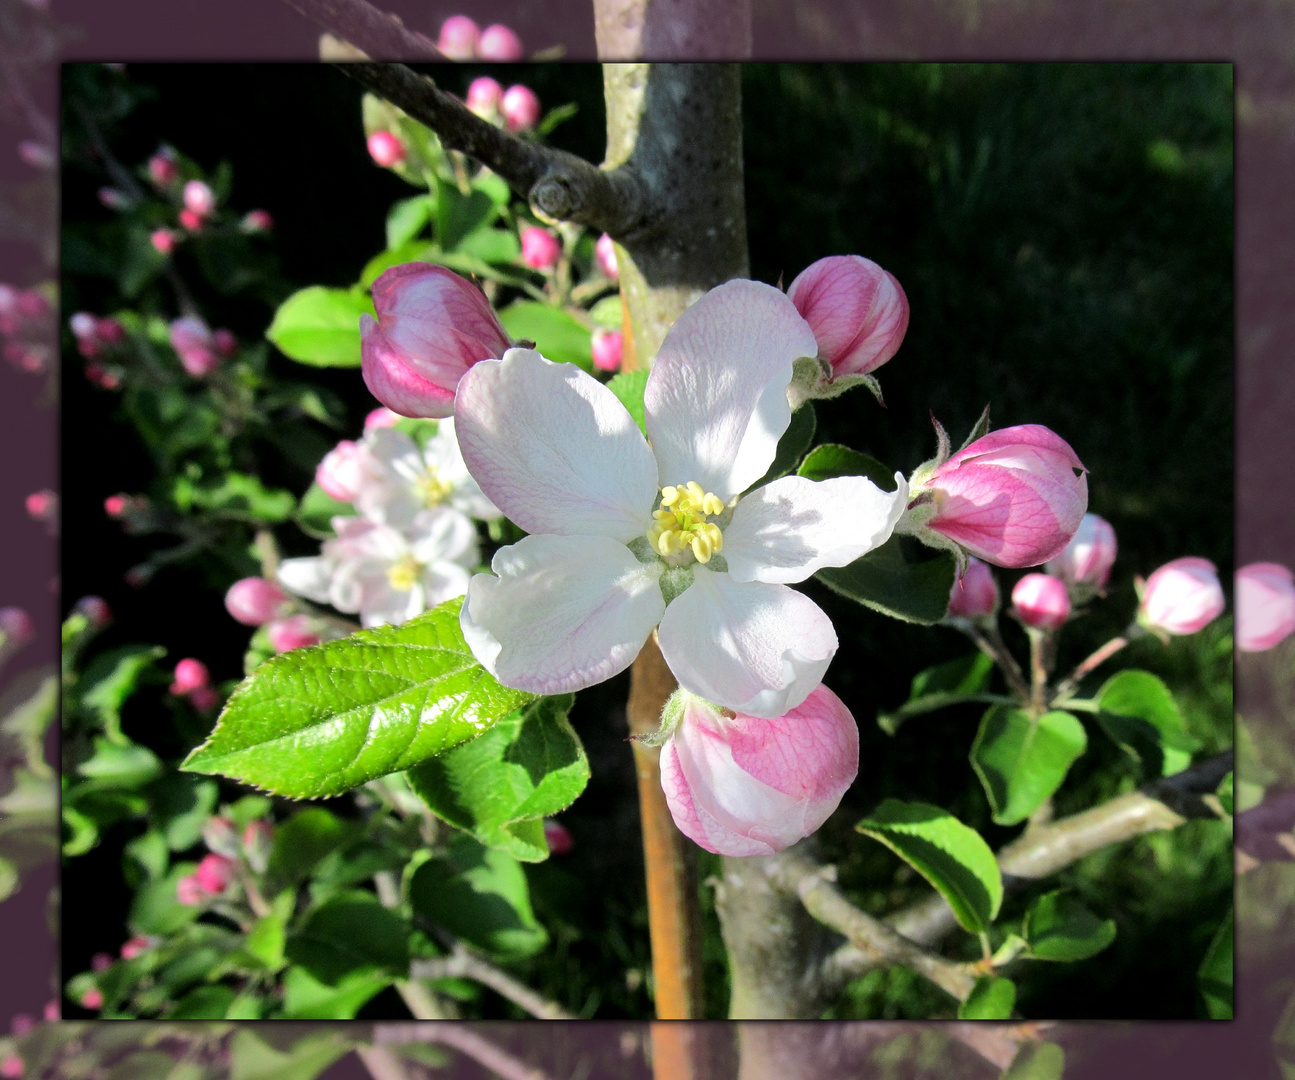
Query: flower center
[(431, 488), (404, 575), (681, 522)]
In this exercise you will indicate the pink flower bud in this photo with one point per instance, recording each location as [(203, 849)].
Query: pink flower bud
[(1182, 597), (117, 506), (381, 417), (193, 343), (607, 348), (258, 839), (459, 37), (857, 310), (92, 999), (22, 1024), (605, 254), (188, 892), (53, 1010), (199, 198), (220, 836), (163, 241), (189, 675), (162, 169), (136, 946), (100, 962), (385, 149), (341, 472), (256, 221), (1265, 602), (540, 248), (521, 108), (1011, 498), (1088, 558), (294, 632), (16, 627), (95, 609), (214, 874), (204, 698), (83, 326), (36, 155), (975, 593), (742, 785), (110, 330), (224, 342), (12, 1066), (87, 347), (43, 505), (484, 95), (1041, 601), (112, 198), (432, 326), (191, 219), (499, 43), (559, 840), (254, 601)]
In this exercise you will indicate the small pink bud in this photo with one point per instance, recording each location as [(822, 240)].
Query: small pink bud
[(191, 219), (857, 310), (521, 108), (12, 1066), (95, 609), (1041, 601), (53, 1010), (43, 505), (214, 874), (1088, 558), (162, 169), (220, 836), (294, 632), (35, 154), (254, 601), (385, 149), (1182, 597), (22, 1024), (83, 326), (92, 999), (605, 254), (499, 43), (189, 675), (975, 593), (163, 240), (258, 839), (256, 221), (110, 331), (381, 417), (136, 946), (432, 326), (101, 376), (188, 892), (484, 95), (16, 627), (607, 347), (225, 342), (742, 785), (100, 962), (192, 341), (116, 506), (540, 248), (87, 347), (113, 199), (204, 698), (1011, 498), (559, 840), (1265, 602), (199, 198), (341, 472), (459, 37)]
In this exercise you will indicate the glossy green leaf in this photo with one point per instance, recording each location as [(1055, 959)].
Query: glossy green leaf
[(792, 446), (832, 459), (940, 686), (304, 839), (350, 932), (492, 245), (1021, 761), (321, 326), (901, 579), (201, 1003), (321, 720), (114, 765), (1037, 1061), (953, 857), (558, 335), (629, 387), (1214, 978), (992, 998), (1059, 927), (407, 218), (236, 495), (457, 214), (306, 998), (499, 786), (110, 679), (1139, 713)]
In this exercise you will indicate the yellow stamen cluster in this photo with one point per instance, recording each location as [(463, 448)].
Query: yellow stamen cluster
[(404, 575), (681, 522), (432, 488)]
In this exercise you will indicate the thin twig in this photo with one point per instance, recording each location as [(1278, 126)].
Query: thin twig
[(993, 646), (1071, 682), (463, 962), (374, 32), (461, 1037)]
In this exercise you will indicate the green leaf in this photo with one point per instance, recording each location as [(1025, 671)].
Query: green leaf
[(321, 326), (202, 1003), (607, 312), (491, 245), (182, 805), (832, 460), (237, 495), (480, 895), (629, 387), (350, 932), (111, 679), (493, 185), (306, 998), (528, 766), (458, 214), (116, 766), (1059, 927), (1139, 713), (901, 579), (558, 336), (1215, 975), (321, 720), (792, 446), (156, 909), (407, 218), (992, 998), (1037, 1061), (28, 704), (316, 511), (1224, 793), (942, 685), (267, 938), (251, 1058), (304, 839), (953, 857), (1021, 761), (554, 117)]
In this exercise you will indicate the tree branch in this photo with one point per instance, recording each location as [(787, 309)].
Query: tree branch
[(464, 963), (376, 33), (463, 1038), (556, 184)]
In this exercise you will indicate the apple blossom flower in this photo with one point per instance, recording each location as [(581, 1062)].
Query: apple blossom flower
[(484, 96), (498, 42), (1182, 597), (975, 593), (1011, 498), (162, 169), (627, 535), (521, 108), (163, 241), (1265, 602), (190, 674), (199, 198), (254, 601), (607, 347), (1041, 601), (458, 38), (605, 256), (386, 149), (191, 338), (540, 248), (1085, 564), (381, 417), (258, 840), (215, 873), (292, 632), (432, 326), (340, 473), (749, 785)]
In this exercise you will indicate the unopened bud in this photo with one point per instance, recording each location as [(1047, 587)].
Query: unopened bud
[(558, 838), (113, 199), (12, 1066), (220, 836), (35, 154), (190, 674), (254, 601), (1087, 560), (204, 698), (162, 169), (214, 874), (163, 240), (484, 96), (605, 254), (192, 340), (53, 1011), (1041, 601), (110, 331), (224, 342), (100, 962), (16, 628), (1182, 597), (43, 506), (857, 310), (381, 417), (540, 248), (341, 472), (458, 38), (188, 892), (199, 198), (191, 219), (1265, 601), (385, 149), (294, 632), (83, 325), (92, 999), (136, 946), (521, 108), (258, 839), (975, 593), (607, 346), (22, 1024), (95, 609), (499, 43)]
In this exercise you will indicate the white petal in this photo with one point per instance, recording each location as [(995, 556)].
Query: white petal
[(752, 647), (554, 449), (564, 613), (310, 577), (788, 529), (443, 534), (443, 581), (716, 399), (442, 454), (391, 464)]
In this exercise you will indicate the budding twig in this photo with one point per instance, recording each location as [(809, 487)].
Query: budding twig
[(1071, 682), (374, 32)]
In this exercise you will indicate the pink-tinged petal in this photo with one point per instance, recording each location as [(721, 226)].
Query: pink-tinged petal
[(1000, 448), (787, 530), (716, 399), (696, 821), (750, 646), (1088, 558), (563, 612), (308, 577), (858, 312), (1183, 596), (553, 448), (405, 388), (1265, 603)]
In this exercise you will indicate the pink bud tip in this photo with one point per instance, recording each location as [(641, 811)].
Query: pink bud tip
[(188, 892), (136, 946), (190, 674), (16, 626), (385, 149), (294, 632), (857, 310), (521, 108), (1182, 597), (220, 836), (214, 874), (92, 999), (1265, 602), (115, 506), (254, 601), (258, 840), (499, 43), (605, 254), (975, 593), (95, 609), (224, 342), (607, 347), (193, 342), (83, 325), (381, 417), (53, 1011), (458, 38), (100, 962), (35, 154), (162, 169), (191, 219), (742, 785), (1088, 558), (42, 505), (22, 1024), (540, 248), (484, 96), (110, 331), (12, 1066), (199, 198), (205, 698), (163, 240), (1041, 601), (256, 221), (558, 838), (341, 472)]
